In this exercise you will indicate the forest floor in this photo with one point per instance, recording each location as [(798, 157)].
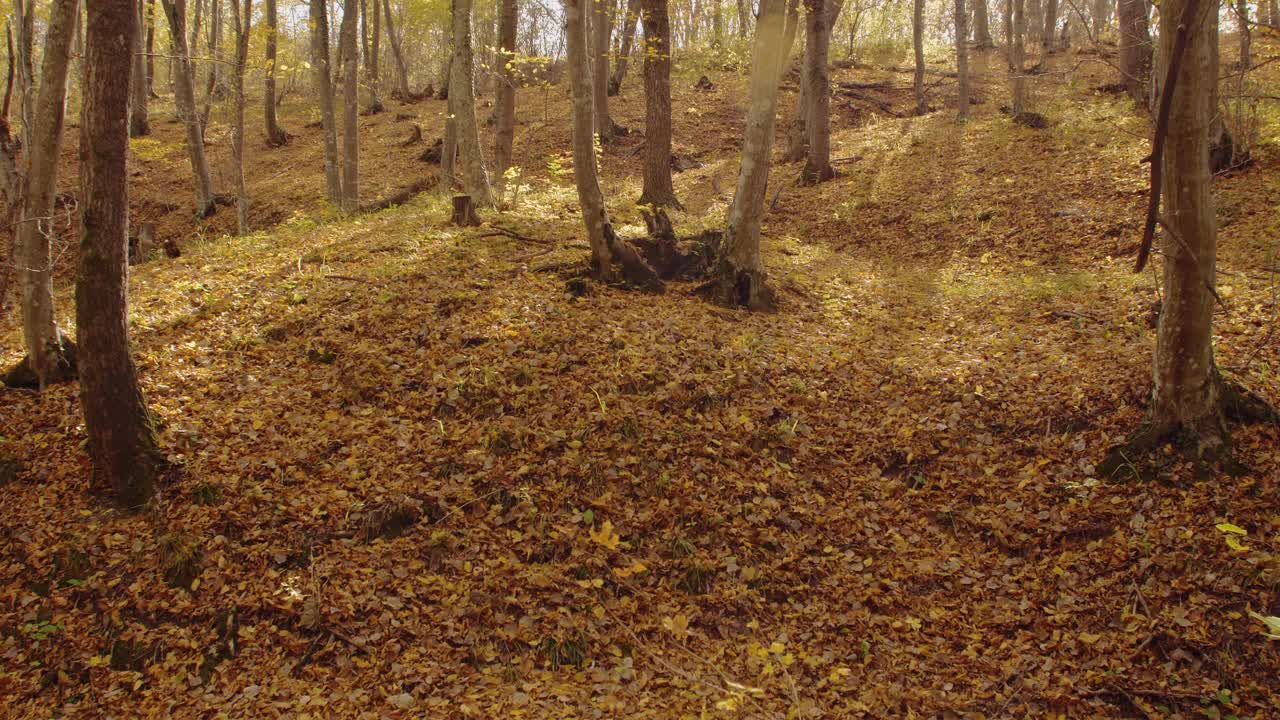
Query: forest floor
[(420, 479)]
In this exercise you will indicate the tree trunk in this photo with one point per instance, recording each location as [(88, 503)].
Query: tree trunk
[(962, 61), (150, 45), (981, 25), (600, 32), (48, 352), (797, 139), (276, 135), (1035, 21), (740, 277), (917, 45), (449, 146), (1098, 15), (242, 28), (717, 25), (1245, 34), (744, 19), (139, 124), (1187, 393), (351, 109), (324, 85), (658, 189), (1048, 41), (185, 100), (402, 72), (505, 101), (121, 439), (1017, 58), (461, 95), (595, 217), (372, 103), (628, 29), (1135, 49), (1006, 8), (212, 87), (817, 167)]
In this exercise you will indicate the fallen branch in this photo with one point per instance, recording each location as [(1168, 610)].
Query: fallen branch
[(499, 231), (401, 197)]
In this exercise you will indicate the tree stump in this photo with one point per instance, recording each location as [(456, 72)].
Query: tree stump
[(464, 211)]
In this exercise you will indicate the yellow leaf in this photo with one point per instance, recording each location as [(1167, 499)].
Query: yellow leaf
[(1235, 544), (606, 536), (1089, 638), (777, 648), (1231, 529)]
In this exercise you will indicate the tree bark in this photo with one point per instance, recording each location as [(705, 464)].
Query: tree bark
[(47, 349), (962, 61), (600, 31), (740, 277), (505, 101), (628, 29), (121, 439), (462, 96), (817, 167), (1048, 40), (1098, 17), (402, 71), (185, 100), (658, 189), (351, 108), (151, 47), (1135, 49), (324, 85), (1187, 393), (212, 87), (744, 19), (1245, 35), (595, 217), (139, 124), (1017, 58), (242, 28), (917, 45), (981, 25), (276, 135), (1035, 21), (372, 103)]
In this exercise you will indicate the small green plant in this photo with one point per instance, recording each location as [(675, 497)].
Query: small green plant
[(42, 630)]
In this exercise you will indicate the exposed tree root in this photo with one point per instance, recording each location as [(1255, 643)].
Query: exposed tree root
[(64, 369)]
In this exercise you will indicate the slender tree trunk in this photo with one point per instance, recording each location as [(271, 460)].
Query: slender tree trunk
[(505, 101), (817, 167), (351, 109), (49, 354), (744, 19), (324, 84), (962, 61), (595, 217), (917, 45), (628, 29), (717, 25), (276, 135), (1245, 35), (449, 146), (139, 125), (185, 100), (1274, 7), (1050, 37), (242, 28), (372, 103), (740, 274), (600, 32), (151, 47), (212, 87), (1098, 16), (1187, 393), (1006, 8), (981, 25), (402, 71), (658, 189), (1135, 49), (1017, 58), (1035, 21), (461, 94), (121, 439)]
